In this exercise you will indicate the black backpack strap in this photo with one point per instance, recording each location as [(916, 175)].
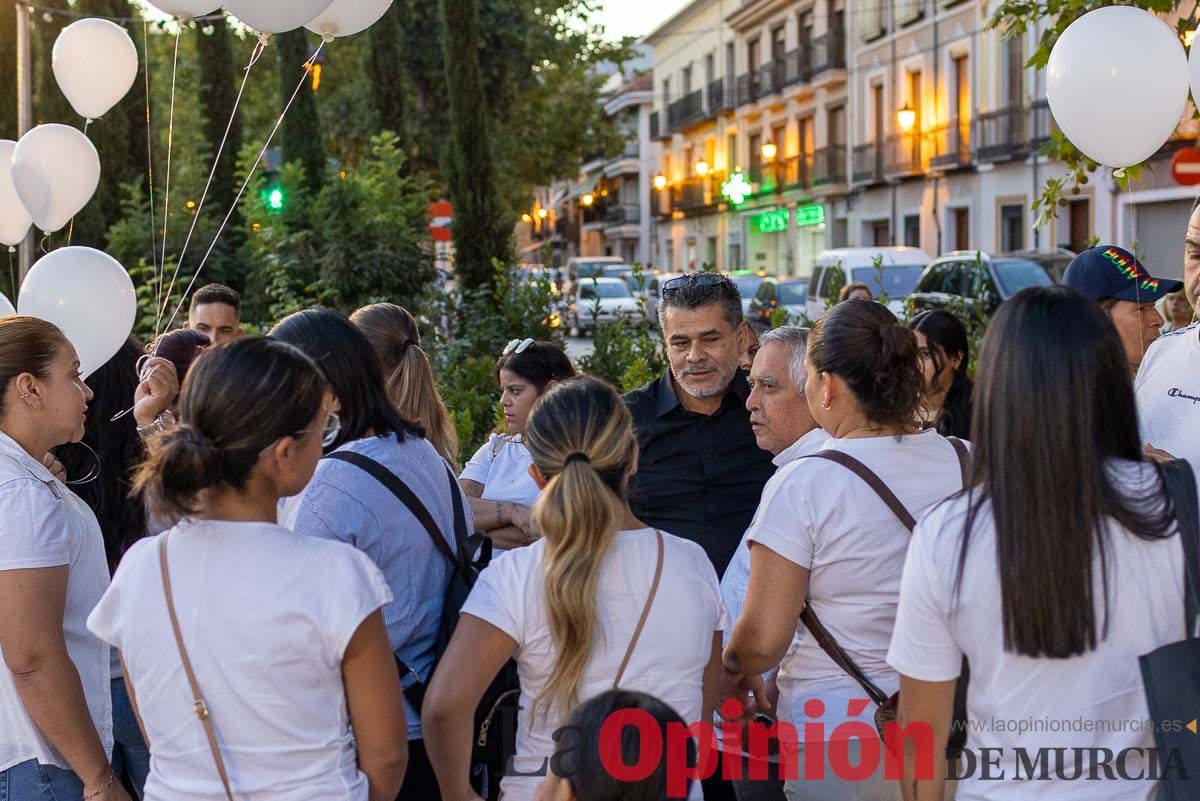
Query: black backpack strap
[(1180, 483), (873, 481), (461, 535), (964, 459), (405, 495)]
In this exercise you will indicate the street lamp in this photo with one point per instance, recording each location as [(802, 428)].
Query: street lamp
[(542, 214), (525, 218), (769, 151), (701, 168), (906, 118), (660, 182), (588, 199)]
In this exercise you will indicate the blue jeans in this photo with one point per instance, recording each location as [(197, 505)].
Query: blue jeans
[(30, 781), (130, 757)]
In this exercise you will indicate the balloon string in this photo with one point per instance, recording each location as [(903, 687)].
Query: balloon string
[(249, 176), (12, 273), (42, 244), (164, 300), (156, 281), (170, 145), (71, 228)]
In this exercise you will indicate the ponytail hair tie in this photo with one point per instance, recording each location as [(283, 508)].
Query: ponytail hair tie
[(578, 456)]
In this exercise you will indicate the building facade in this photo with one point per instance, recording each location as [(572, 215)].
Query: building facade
[(789, 126)]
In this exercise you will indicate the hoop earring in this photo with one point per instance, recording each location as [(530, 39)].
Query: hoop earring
[(826, 406), (95, 471)]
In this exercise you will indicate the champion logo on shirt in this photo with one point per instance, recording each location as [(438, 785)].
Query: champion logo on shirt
[(1176, 392)]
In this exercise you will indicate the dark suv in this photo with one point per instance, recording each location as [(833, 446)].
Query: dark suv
[(967, 276)]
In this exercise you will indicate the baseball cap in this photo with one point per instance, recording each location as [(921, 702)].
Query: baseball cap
[(1107, 271)]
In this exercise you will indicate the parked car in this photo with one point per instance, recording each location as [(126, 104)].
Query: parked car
[(973, 276), (603, 300), (773, 293), (896, 276), (1055, 260), (748, 284), (582, 267), (654, 292)]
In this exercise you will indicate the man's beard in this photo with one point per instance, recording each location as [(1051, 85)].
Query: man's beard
[(723, 379)]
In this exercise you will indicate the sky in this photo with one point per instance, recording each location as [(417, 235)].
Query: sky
[(636, 17)]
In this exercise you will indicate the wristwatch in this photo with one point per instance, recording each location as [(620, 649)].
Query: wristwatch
[(164, 421)]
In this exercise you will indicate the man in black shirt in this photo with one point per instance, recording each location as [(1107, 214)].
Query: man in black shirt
[(700, 471)]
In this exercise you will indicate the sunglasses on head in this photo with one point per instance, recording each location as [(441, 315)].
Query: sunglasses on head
[(695, 279), (517, 346)]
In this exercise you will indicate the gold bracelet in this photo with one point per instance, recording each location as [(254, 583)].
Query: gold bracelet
[(112, 777)]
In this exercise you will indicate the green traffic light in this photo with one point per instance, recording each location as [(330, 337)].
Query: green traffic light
[(275, 199)]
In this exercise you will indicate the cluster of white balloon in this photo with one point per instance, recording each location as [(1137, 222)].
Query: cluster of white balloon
[(1117, 82), (53, 171)]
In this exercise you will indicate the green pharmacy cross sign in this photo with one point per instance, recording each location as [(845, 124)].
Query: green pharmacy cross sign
[(736, 189)]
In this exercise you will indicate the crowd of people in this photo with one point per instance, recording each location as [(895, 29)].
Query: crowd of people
[(256, 567)]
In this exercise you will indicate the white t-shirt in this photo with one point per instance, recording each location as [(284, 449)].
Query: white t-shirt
[(266, 617), (43, 524), (1168, 394), (823, 517), (1052, 699), (670, 656), (501, 465)]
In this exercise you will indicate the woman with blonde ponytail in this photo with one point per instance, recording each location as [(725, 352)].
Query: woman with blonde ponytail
[(395, 336), (599, 601)]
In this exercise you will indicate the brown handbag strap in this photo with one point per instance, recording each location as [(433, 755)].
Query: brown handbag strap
[(198, 704), (964, 459), (637, 633), (873, 481)]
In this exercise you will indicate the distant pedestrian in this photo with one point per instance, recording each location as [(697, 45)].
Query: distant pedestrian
[(497, 479), (411, 385), (216, 312), (828, 540), (855, 290), (601, 601), (1114, 278), (1052, 575), (1178, 313), (945, 354)]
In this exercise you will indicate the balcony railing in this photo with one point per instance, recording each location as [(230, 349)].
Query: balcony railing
[(747, 88), (868, 163), (720, 96), (798, 171), (829, 166), (623, 214), (592, 215), (1041, 124), (828, 52), (686, 112), (654, 126), (951, 145), (1003, 134), (696, 192), (903, 154), (769, 80)]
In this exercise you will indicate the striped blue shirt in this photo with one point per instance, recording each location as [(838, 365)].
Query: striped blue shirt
[(344, 503)]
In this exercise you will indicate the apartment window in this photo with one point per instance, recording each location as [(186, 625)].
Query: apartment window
[(687, 80), (689, 164), (752, 55), (1012, 226), (778, 42), (914, 96), (755, 158), (807, 137), (837, 126), (710, 72), (1080, 226), (731, 152), (912, 230), (962, 228), (908, 11), (806, 30), (730, 59), (962, 90), (881, 233), (1014, 72), (871, 15), (666, 86), (710, 251), (877, 108)]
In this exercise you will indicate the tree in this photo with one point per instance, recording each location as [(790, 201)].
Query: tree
[(8, 88), (217, 94), (385, 69), (300, 137), (482, 233), (1015, 18)]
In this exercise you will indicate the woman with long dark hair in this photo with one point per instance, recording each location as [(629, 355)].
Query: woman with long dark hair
[(281, 637), (945, 353), (1053, 573), (600, 601), (351, 499)]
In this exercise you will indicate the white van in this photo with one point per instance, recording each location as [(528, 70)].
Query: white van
[(901, 268)]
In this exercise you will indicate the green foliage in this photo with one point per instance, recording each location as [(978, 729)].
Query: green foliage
[(625, 353), (1015, 18), (300, 137)]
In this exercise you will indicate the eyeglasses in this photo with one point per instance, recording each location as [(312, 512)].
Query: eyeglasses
[(695, 279), (517, 346), (329, 434)]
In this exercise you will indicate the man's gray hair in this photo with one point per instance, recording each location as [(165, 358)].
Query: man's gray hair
[(691, 295), (796, 338)]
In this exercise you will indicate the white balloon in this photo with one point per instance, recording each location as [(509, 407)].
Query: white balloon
[(348, 17), (56, 171), (88, 295), (186, 8), (6, 308), (276, 16), (14, 218), (95, 64), (1117, 82)]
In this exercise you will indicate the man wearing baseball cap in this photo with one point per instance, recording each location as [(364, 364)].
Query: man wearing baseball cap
[(1115, 279)]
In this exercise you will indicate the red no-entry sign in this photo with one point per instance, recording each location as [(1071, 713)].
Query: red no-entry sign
[(1185, 166)]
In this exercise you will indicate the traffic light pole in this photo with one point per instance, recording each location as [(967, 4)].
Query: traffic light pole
[(24, 113)]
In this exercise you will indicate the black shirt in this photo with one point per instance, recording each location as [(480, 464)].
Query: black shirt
[(699, 477)]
